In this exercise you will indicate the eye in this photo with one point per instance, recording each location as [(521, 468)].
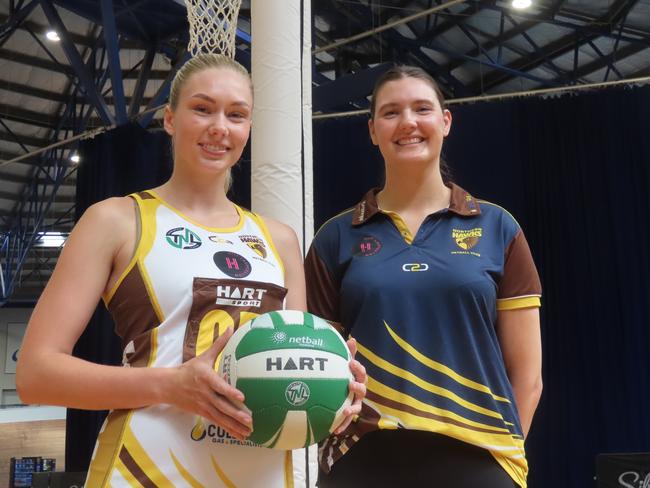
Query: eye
[(424, 109), (389, 114), (238, 115), (202, 109)]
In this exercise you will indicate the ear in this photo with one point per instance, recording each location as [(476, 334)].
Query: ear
[(371, 129), (168, 120), (446, 117)]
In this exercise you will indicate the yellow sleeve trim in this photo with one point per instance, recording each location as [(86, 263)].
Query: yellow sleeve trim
[(519, 302)]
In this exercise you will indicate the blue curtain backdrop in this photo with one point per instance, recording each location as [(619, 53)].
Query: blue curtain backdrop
[(575, 172), (116, 163)]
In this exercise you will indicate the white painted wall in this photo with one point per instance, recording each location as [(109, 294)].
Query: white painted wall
[(8, 394)]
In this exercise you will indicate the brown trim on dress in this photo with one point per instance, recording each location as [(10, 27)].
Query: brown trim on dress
[(145, 195), (134, 316), (135, 470)]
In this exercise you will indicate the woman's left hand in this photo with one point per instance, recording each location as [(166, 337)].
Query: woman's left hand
[(358, 387)]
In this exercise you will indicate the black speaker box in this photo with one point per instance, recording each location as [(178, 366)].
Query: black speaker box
[(623, 470), (58, 480)]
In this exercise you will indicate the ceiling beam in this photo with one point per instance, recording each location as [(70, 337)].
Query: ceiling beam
[(553, 50), (598, 64), (17, 114), (27, 140), (546, 14), (36, 62)]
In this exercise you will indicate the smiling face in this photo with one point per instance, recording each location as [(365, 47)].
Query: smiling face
[(210, 122), (409, 123)]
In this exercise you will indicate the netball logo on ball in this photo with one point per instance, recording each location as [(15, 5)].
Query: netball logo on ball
[(279, 337), (297, 393)]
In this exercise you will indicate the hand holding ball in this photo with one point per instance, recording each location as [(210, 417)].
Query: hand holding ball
[(293, 369)]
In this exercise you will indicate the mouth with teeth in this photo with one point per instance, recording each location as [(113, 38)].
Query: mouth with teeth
[(214, 149), (408, 141)]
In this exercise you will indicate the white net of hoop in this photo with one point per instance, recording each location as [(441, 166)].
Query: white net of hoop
[(213, 25)]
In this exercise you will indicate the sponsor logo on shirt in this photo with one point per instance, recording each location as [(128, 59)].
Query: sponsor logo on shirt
[(414, 267), (219, 240), (239, 296), (182, 238), (214, 433), (255, 243), (232, 264), (466, 239), (367, 246)]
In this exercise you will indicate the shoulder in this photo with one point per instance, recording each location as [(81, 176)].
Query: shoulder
[(336, 225), (281, 233), (111, 210), (496, 213), (112, 219)]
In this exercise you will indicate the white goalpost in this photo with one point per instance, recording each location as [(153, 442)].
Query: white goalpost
[(281, 138)]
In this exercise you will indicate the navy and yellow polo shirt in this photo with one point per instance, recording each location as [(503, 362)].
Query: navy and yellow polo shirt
[(423, 310)]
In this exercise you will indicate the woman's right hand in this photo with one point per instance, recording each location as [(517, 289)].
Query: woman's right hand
[(199, 389)]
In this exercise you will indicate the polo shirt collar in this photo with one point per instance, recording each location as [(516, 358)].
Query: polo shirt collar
[(461, 203)]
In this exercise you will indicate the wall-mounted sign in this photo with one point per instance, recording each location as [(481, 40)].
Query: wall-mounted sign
[(15, 333)]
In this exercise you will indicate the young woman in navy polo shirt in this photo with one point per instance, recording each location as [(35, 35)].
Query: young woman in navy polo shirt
[(441, 293)]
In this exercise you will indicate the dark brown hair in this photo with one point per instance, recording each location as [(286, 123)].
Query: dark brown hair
[(403, 71)]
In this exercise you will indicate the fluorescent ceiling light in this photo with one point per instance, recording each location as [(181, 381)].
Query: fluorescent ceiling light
[(521, 3), (52, 36), (51, 239)]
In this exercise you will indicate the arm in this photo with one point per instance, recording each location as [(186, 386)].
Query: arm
[(519, 337), (48, 373), (323, 300)]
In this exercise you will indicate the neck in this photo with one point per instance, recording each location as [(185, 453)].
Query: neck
[(414, 189), (196, 192)]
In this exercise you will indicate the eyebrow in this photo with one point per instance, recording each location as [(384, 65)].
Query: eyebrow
[(395, 104), (207, 98)]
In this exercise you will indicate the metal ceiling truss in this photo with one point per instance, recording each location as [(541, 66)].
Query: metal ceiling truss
[(359, 21), (85, 97)]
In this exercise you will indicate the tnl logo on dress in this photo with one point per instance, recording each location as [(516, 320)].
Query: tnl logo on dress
[(182, 238)]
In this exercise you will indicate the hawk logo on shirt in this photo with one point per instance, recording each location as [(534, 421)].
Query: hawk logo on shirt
[(467, 239), (182, 238), (256, 244), (367, 246)]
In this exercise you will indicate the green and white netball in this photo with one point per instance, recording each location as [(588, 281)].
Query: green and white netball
[(293, 369)]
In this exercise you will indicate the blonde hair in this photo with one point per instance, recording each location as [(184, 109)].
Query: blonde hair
[(199, 63)]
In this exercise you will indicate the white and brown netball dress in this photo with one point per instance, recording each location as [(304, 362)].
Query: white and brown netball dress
[(185, 285)]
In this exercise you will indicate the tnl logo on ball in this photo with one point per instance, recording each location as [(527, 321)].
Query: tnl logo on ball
[(297, 393)]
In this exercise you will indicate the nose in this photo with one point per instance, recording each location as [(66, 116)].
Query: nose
[(407, 120), (218, 126)]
